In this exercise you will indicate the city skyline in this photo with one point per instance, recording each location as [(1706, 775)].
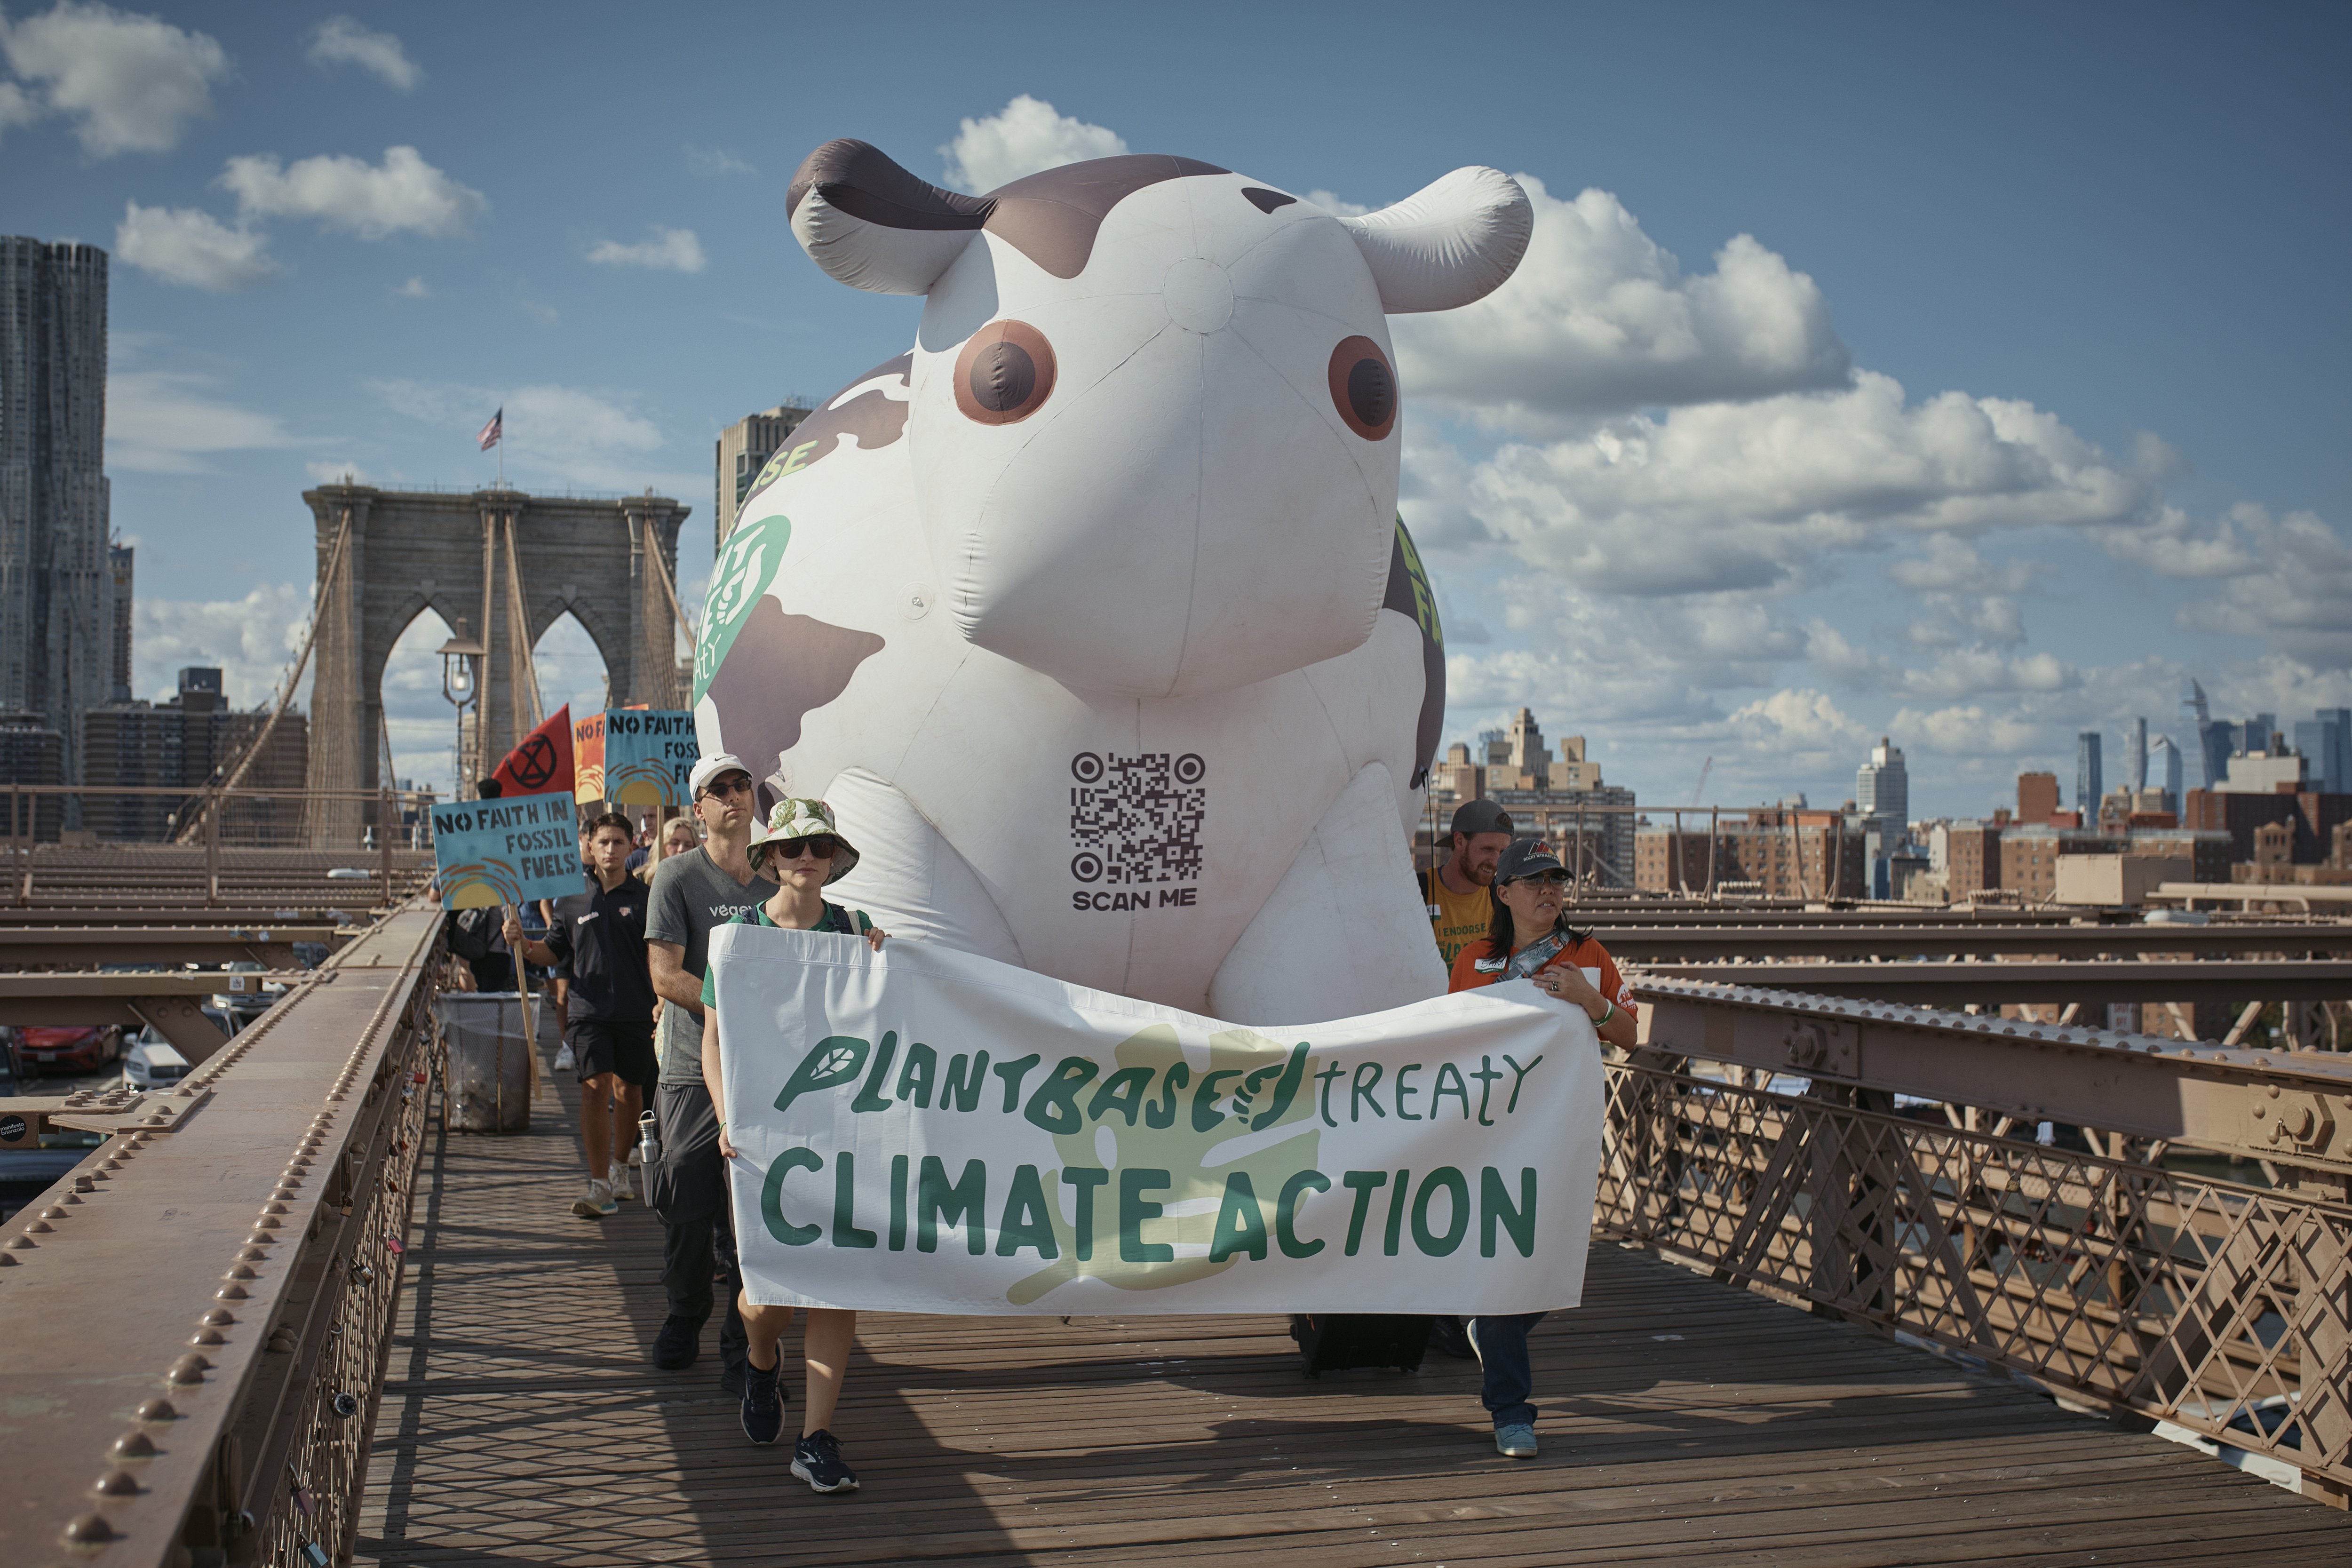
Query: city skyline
[(1741, 466)]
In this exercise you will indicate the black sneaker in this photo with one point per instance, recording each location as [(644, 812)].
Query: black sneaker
[(730, 1377), (679, 1344), (1446, 1336), (816, 1460), (763, 1406)]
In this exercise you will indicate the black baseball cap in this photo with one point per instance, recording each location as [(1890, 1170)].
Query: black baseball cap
[(1525, 858), (1476, 816)]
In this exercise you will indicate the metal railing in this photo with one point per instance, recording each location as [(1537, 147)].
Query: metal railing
[(203, 1307), (1880, 1165)]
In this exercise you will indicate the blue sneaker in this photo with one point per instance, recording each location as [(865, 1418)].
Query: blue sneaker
[(1516, 1442), (763, 1404), (816, 1460)]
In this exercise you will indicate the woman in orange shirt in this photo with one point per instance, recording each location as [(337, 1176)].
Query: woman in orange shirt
[(1531, 939)]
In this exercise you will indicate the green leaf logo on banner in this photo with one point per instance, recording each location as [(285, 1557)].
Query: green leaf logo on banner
[(740, 576)]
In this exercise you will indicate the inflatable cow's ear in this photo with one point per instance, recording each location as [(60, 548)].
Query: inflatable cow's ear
[(876, 227), (1448, 243)]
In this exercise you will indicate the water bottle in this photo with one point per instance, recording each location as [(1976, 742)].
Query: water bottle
[(648, 1140)]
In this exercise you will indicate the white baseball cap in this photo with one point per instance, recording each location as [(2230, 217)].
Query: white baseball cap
[(710, 768)]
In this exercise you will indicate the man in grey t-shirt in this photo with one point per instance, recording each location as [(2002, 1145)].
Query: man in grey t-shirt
[(694, 893)]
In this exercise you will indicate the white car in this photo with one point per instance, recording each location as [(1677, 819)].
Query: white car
[(151, 1062)]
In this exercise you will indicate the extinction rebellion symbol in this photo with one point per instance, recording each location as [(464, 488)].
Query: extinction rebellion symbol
[(534, 764)]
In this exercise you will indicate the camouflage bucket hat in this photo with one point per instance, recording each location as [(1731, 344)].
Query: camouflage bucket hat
[(795, 818)]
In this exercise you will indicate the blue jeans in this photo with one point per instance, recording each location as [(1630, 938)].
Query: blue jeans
[(1509, 1380)]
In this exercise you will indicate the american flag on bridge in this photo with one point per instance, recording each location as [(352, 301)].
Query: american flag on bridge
[(494, 429)]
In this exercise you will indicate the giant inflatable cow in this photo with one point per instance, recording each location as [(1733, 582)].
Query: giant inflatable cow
[(1092, 615)]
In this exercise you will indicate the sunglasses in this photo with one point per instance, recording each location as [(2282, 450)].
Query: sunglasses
[(1556, 878), (725, 787), (820, 845)]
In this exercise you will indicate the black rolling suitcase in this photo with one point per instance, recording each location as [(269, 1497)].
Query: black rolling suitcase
[(1333, 1342)]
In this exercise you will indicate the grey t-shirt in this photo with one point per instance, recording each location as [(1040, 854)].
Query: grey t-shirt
[(692, 897)]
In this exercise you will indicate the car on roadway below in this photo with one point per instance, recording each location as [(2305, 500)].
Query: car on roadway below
[(65, 1047), (152, 1061)]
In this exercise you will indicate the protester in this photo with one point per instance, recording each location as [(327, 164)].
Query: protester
[(1455, 892), (692, 894), (599, 933), (1529, 937), (676, 838), (803, 848), (1459, 914), (560, 978)]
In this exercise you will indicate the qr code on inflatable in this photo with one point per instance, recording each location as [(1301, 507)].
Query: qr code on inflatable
[(1137, 819)]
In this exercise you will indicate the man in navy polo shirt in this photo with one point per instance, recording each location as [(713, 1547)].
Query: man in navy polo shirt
[(599, 933)]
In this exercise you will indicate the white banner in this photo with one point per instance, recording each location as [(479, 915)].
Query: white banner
[(923, 1131)]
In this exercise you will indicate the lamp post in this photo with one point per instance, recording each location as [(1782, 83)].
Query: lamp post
[(461, 684)]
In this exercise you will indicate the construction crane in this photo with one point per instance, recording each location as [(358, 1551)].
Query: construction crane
[(1705, 768)]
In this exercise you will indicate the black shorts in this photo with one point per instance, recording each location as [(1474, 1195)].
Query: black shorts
[(608, 1044)]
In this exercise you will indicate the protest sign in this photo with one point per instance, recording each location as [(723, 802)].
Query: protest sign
[(588, 759), (648, 754), (506, 851), (920, 1129)]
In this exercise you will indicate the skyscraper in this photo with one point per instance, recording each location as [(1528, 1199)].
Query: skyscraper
[(2164, 771), (2321, 742), (2207, 742), (120, 560), (1882, 789), (2256, 734), (2088, 785), (2135, 756), (2339, 763), (743, 449), (55, 590)]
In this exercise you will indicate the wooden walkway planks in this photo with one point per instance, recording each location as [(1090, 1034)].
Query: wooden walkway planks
[(1684, 1421)]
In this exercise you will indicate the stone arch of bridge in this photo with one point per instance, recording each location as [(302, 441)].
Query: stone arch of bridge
[(476, 560)]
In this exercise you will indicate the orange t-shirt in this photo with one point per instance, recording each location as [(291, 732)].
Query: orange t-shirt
[(1586, 955)]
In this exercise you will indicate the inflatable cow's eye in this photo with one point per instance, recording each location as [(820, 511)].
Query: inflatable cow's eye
[(1004, 374), (1363, 388)]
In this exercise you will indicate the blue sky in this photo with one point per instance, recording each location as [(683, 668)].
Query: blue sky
[(1970, 376)]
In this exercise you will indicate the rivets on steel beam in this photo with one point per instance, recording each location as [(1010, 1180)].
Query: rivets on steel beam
[(253, 1253), (117, 1483), (138, 1445), (159, 1408), (88, 1530), (17, 1243), (219, 1317), (208, 1337), (189, 1369), (241, 1271), (230, 1292)]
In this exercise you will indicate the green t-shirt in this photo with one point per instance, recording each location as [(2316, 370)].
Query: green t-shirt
[(836, 919)]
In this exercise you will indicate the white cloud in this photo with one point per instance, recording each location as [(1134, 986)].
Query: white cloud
[(342, 40), (17, 107), (714, 160), (670, 249), (1964, 730), (1738, 495), (336, 472), (1600, 318), (348, 194), (1799, 720), (251, 640), (1953, 567), (185, 245), (171, 422), (1338, 206), (413, 288), (129, 83), (2295, 592), (1024, 137)]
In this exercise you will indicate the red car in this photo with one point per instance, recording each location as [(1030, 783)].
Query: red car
[(65, 1047)]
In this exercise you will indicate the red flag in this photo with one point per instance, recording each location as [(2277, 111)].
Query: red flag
[(542, 764)]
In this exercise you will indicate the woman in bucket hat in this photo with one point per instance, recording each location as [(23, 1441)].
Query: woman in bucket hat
[(803, 848)]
